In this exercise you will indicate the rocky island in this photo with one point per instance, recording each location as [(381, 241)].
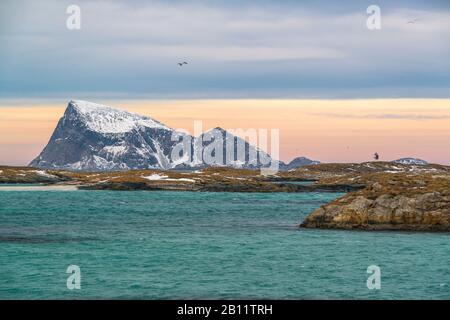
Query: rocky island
[(380, 195), (394, 197)]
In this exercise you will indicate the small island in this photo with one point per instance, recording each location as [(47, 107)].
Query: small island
[(379, 195), (409, 198)]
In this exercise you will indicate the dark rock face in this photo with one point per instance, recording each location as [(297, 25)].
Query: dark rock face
[(78, 145), (93, 137)]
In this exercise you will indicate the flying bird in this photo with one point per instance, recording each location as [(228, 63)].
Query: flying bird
[(182, 63), (412, 21)]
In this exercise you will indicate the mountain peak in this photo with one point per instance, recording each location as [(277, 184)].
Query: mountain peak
[(104, 119), (86, 107), (216, 129)]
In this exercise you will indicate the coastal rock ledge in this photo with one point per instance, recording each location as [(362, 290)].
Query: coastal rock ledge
[(365, 211)]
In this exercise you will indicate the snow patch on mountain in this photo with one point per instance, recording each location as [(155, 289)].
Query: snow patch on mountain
[(94, 162), (157, 177), (104, 119), (411, 161), (115, 150), (43, 173)]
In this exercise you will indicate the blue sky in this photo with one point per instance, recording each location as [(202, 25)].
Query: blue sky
[(235, 49)]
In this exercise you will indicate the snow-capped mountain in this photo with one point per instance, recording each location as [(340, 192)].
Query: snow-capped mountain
[(411, 161), (94, 137), (232, 151), (298, 162)]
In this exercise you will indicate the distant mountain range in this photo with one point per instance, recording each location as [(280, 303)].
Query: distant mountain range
[(94, 137)]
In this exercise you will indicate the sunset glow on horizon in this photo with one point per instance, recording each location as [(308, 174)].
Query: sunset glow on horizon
[(324, 130)]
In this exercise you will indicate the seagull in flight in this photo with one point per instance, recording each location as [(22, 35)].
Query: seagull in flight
[(182, 63), (412, 21)]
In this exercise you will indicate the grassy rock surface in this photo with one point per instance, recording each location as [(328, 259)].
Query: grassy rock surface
[(405, 200)]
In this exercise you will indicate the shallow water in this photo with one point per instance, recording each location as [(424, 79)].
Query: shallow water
[(204, 245), (36, 187)]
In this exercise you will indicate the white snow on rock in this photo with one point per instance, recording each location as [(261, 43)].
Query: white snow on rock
[(369, 165), (411, 161), (183, 179), (236, 178), (115, 150), (156, 177), (104, 119), (43, 173), (98, 162)]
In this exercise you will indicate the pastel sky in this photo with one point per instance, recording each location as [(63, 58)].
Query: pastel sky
[(326, 130), (336, 90)]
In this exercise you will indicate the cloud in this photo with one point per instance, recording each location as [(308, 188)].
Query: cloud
[(286, 49), (386, 116)]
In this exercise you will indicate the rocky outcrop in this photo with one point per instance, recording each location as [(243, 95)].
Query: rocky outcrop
[(25, 175), (376, 208)]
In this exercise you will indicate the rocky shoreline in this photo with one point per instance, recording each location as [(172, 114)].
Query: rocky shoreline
[(379, 195), (426, 212), (409, 200), (210, 180)]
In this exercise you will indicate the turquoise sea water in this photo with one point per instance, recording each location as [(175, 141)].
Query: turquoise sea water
[(177, 245)]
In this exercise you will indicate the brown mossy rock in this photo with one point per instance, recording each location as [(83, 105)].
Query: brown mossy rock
[(420, 212)]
